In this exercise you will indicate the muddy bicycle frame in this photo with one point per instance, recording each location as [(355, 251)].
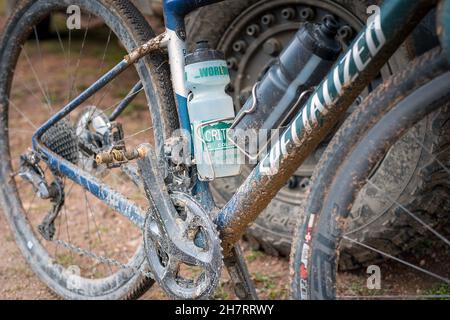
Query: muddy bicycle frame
[(358, 66)]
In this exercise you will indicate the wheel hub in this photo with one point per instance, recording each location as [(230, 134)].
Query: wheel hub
[(93, 130)]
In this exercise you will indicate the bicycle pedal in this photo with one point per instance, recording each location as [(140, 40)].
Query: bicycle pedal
[(118, 156)]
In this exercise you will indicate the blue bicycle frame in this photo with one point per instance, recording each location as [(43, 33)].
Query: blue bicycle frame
[(355, 69)]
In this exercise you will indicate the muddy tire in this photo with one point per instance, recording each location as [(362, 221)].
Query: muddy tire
[(414, 174), (273, 229), (132, 30), (346, 174)]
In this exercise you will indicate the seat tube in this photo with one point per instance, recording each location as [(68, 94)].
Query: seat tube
[(174, 13)]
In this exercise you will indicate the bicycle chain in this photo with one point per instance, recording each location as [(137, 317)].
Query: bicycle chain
[(102, 259)]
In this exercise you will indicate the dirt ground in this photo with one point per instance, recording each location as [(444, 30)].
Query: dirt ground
[(270, 274), (17, 280)]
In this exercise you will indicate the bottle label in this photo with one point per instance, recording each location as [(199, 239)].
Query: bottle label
[(215, 137), (207, 70), (213, 71)]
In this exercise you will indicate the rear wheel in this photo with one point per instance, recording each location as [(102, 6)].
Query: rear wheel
[(95, 253)]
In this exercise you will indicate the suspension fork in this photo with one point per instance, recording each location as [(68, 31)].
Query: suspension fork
[(355, 69)]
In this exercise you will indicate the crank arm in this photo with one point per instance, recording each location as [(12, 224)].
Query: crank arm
[(237, 269), (165, 210)]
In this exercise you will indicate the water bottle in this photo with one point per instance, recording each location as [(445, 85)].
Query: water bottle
[(300, 67), (211, 113)]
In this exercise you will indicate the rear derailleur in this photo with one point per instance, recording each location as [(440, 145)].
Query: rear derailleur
[(31, 171)]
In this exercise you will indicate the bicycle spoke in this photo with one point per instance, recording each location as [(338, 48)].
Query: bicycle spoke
[(38, 44), (129, 95), (91, 116), (87, 217), (60, 40), (415, 217), (91, 212), (58, 230), (443, 150), (66, 217), (103, 61), (58, 234), (67, 228), (23, 115), (49, 104), (69, 55), (104, 52), (138, 133), (108, 89), (33, 94), (431, 153), (66, 55), (387, 255), (74, 76)]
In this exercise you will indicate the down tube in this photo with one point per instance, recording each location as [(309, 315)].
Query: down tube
[(373, 47)]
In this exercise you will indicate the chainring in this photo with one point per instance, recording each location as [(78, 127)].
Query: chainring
[(182, 243)]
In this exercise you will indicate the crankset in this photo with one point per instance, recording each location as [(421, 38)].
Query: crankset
[(182, 244)]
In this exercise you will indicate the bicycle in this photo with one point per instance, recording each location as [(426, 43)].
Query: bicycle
[(180, 229)]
